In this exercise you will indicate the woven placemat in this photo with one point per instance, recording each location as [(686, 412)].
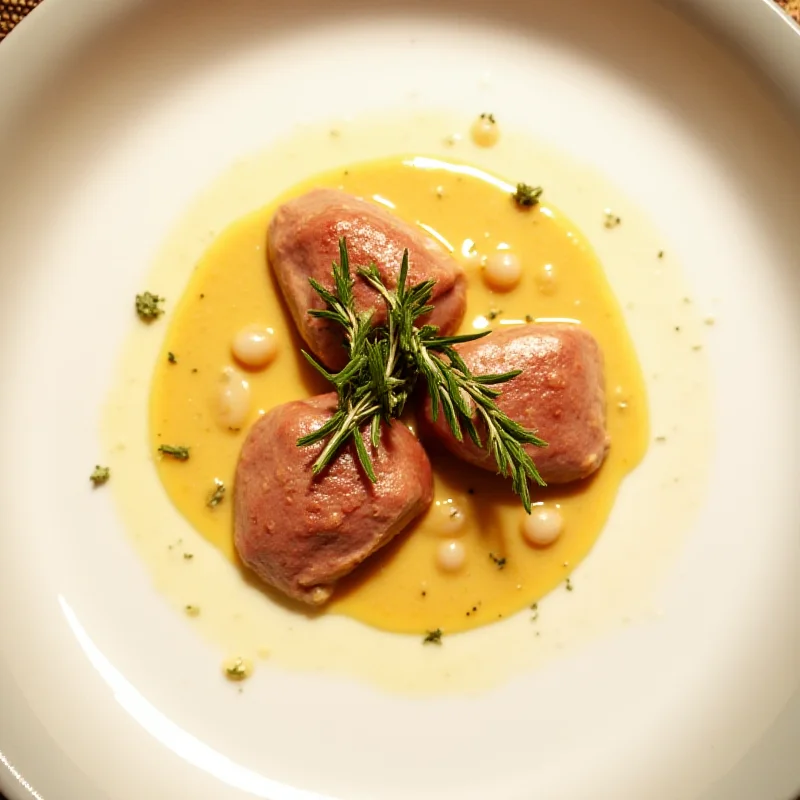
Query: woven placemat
[(12, 13), (792, 7)]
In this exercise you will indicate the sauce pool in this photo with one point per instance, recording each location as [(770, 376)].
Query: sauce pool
[(407, 587)]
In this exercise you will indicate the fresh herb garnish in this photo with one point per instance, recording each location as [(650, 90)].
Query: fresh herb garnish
[(384, 365), (489, 118), (500, 561), (527, 196), (148, 306), (433, 637), (179, 453), (218, 495), (171, 358), (100, 475)]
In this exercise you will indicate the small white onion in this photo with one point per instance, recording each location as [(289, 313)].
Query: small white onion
[(543, 526), (449, 518), (451, 556), (503, 271), (484, 131), (233, 399), (255, 346)]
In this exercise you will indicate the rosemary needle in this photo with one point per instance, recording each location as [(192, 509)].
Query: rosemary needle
[(384, 365)]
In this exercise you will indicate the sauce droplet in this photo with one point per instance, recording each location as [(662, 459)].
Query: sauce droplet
[(451, 556), (450, 519), (237, 669), (546, 279), (255, 346), (484, 131), (543, 526), (503, 271), (233, 400)]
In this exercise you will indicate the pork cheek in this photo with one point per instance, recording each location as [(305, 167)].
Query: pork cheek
[(301, 533), (303, 242), (560, 394)]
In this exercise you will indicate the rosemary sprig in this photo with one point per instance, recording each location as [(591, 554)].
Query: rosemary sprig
[(384, 364)]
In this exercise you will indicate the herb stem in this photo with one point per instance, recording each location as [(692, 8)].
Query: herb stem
[(384, 364), (350, 426)]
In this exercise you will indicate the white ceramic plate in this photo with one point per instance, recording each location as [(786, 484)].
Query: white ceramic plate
[(112, 117)]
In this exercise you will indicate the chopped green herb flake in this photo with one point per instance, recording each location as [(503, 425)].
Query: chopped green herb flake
[(527, 196), (178, 453), (501, 562), (148, 306), (217, 495), (100, 475), (171, 358), (433, 637)]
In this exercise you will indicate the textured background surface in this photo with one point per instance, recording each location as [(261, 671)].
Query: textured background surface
[(12, 13), (792, 6)]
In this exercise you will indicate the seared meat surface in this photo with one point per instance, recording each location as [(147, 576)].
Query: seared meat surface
[(303, 242), (301, 533), (560, 394)]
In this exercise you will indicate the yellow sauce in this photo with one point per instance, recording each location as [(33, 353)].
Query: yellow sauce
[(402, 589)]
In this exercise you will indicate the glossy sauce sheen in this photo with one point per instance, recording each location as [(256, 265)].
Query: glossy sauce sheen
[(402, 588)]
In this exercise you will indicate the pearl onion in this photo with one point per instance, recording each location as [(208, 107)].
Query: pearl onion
[(233, 400), (543, 526), (503, 271), (254, 346), (451, 556), (546, 279), (485, 131), (450, 520)]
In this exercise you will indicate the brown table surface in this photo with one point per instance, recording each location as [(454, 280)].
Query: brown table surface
[(13, 13)]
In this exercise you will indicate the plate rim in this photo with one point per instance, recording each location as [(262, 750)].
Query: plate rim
[(23, 41)]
